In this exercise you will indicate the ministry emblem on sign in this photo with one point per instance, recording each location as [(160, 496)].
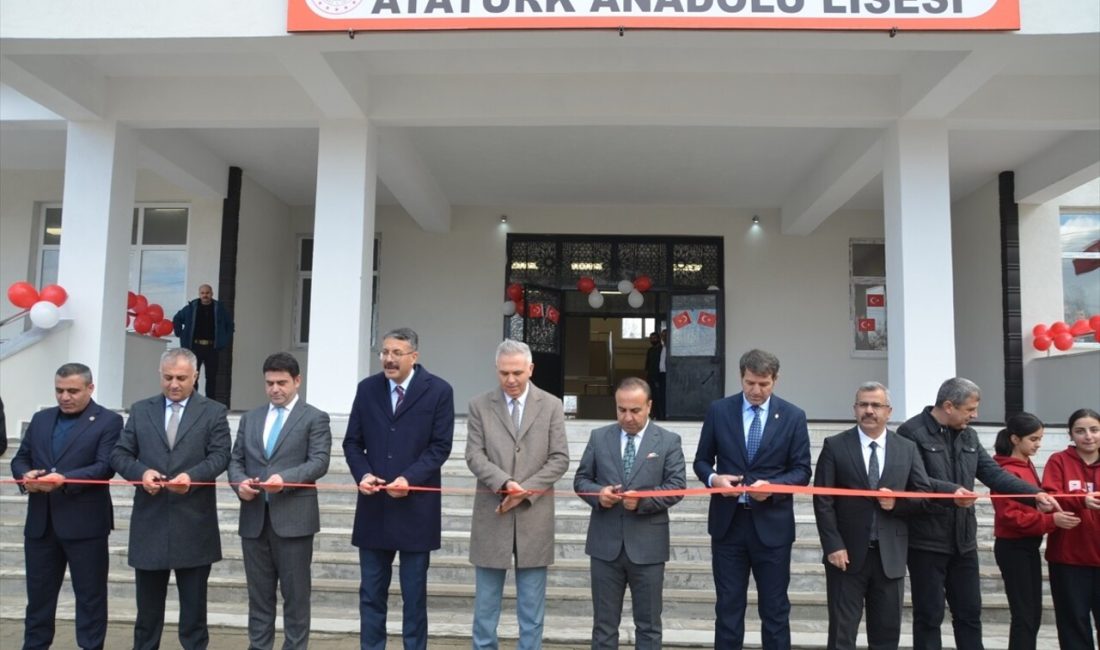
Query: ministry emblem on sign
[(334, 7)]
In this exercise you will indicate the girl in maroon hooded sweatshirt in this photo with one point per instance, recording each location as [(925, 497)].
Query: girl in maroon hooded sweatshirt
[(1019, 531), (1074, 554)]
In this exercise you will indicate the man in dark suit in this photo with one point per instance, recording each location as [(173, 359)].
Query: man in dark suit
[(655, 374), (283, 441), (399, 435), (753, 438), (171, 440), (628, 539), (67, 523), (206, 328), (866, 541)]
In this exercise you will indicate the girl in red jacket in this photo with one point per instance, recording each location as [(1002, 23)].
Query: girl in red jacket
[(1019, 531), (1074, 554)]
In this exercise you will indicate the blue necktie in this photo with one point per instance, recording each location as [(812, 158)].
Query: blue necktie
[(756, 431), (276, 428)]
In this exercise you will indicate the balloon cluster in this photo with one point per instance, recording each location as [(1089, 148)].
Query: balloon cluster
[(634, 290), (1061, 335), (147, 319), (515, 305), (44, 305)]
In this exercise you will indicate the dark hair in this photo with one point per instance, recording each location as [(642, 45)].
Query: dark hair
[(1077, 415), (70, 369), (634, 383), (759, 362), (957, 390), (1019, 425), (282, 362)]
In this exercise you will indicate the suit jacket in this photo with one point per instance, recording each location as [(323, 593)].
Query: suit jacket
[(845, 522), (414, 443), (301, 455), (74, 511), (167, 530), (783, 458), (536, 456), (659, 465)]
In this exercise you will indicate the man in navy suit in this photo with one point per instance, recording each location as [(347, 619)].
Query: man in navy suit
[(67, 523), (399, 435), (753, 438)]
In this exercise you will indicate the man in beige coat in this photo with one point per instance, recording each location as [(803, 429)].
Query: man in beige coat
[(517, 449)]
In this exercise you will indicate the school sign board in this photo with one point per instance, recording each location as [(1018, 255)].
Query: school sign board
[(413, 15)]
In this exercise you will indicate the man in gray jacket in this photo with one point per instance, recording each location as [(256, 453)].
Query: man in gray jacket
[(517, 449), (285, 441), (628, 536), (170, 441)]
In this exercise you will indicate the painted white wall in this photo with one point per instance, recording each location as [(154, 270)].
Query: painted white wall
[(20, 194), (1060, 384), (979, 338), (786, 294), (265, 249), (141, 376), (26, 378)]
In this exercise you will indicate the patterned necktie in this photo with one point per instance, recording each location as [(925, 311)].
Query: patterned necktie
[(400, 398), (276, 429), (872, 480), (756, 430), (515, 414), (173, 424), (628, 456)]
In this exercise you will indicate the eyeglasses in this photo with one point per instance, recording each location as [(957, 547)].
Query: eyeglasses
[(871, 405), (396, 354)]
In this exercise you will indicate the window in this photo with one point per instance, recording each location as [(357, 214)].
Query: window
[(638, 328), (1079, 234), (304, 292), (867, 293), (158, 251)]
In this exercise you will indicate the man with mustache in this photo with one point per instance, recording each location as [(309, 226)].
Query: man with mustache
[(865, 540)]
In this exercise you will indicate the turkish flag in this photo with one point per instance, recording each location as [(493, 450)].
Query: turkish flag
[(535, 310), (681, 320), (876, 300), (708, 318), (866, 325), (553, 314), (1083, 266)]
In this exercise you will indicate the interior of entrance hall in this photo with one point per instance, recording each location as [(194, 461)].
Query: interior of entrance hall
[(598, 353)]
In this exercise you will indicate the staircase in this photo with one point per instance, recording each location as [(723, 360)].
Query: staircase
[(689, 599)]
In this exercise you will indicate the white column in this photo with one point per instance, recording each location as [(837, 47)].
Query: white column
[(343, 252), (98, 207), (919, 279)]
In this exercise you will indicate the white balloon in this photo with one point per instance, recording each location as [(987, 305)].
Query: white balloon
[(509, 308), (595, 300), (625, 287), (45, 314), (635, 299)]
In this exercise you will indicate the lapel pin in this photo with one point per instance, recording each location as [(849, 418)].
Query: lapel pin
[(776, 416), (91, 419)]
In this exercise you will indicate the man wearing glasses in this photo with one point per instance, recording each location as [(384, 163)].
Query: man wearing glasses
[(866, 541), (399, 435)]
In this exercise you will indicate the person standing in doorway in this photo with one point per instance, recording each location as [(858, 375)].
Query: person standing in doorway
[(205, 327)]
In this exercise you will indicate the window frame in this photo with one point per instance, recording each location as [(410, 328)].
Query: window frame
[(855, 281)]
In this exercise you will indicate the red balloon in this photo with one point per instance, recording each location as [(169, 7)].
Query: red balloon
[(643, 283), (1097, 336), (586, 285), (156, 312), (1039, 330), (142, 324), (1094, 323), (521, 307), (1080, 327), (1058, 328), (1042, 343), (131, 299), (162, 328), (1063, 341), (55, 294), (141, 303), (515, 291), (22, 295)]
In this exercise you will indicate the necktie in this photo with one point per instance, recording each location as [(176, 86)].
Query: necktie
[(276, 428), (872, 481), (628, 456), (756, 431), (400, 398), (173, 424), (515, 414)]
